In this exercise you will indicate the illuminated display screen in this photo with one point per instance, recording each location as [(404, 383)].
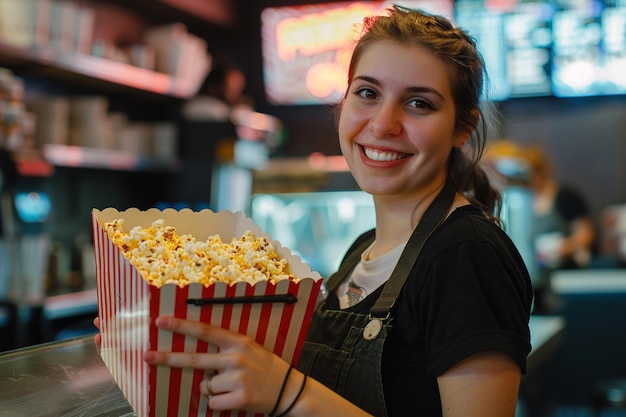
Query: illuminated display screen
[(487, 27), (589, 53), (565, 48), (306, 49), (515, 39), (528, 45), (32, 207)]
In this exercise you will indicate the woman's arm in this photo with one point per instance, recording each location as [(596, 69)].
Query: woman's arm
[(249, 376), (483, 385), (582, 236)]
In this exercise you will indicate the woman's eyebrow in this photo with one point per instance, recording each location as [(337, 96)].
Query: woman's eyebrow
[(424, 90), (412, 89), (367, 79)]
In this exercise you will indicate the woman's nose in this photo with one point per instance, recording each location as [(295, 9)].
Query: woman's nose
[(386, 120)]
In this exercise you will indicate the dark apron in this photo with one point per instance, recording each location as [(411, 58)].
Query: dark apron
[(344, 348)]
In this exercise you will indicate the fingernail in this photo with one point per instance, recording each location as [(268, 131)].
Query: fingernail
[(149, 356), (162, 321)]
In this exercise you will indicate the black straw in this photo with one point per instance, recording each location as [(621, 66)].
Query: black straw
[(276, 298)]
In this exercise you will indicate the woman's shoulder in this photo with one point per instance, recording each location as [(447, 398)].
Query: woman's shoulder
[(470, 216), (469, 224)]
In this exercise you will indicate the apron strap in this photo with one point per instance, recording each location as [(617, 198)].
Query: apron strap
[(433, 217)]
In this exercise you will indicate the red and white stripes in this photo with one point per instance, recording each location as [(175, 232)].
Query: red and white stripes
[(128, 306)]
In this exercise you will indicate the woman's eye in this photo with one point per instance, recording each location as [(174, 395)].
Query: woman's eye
[(366, 93), (420, 104)]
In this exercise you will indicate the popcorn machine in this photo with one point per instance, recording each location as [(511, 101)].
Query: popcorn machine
[(317, 226), (24, 249), (30, 243), (313, 206)]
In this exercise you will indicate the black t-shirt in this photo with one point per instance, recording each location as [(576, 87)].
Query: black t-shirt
[(571, 204), (468, 292)]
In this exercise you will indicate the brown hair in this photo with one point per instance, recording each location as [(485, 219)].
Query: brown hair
[(468, 79)]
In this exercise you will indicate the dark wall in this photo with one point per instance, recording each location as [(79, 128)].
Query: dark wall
[(585, 138)]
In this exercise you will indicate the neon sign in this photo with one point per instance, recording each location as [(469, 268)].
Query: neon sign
[(306, 49)]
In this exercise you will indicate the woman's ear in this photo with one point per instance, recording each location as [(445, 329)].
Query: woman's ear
[(461, 138), (464, 135)]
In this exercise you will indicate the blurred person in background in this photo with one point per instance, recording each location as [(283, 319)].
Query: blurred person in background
[(613, 235), (563, 229)]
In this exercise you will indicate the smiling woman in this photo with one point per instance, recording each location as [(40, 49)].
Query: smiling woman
[(428, 313)]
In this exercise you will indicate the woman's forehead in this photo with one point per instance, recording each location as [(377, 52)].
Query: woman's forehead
[(409, 65)]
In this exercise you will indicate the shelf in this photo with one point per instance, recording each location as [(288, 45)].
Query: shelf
[(216, 11), (219, 13), (71, 304), (75, 65), (34, 168), (82, 157)]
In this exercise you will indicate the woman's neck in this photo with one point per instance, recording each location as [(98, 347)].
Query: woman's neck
[(395, 222), (391, 231)]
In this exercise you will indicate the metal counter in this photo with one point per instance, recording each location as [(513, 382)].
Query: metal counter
[(58, 379), (68, 378)]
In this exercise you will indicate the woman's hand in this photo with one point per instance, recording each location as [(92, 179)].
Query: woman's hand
[(97, 339), (248, 376)]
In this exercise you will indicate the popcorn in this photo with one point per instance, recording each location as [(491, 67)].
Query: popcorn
[(249, 295), (163, 257)]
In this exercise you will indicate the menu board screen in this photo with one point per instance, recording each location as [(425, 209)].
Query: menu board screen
[(515, 39), (589, 52), (528, 35), (614, 42), (487, 28)]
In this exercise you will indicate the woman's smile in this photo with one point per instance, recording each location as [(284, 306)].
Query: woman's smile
[(383, 155)]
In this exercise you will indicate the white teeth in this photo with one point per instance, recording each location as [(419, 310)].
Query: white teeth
[(381, 156)]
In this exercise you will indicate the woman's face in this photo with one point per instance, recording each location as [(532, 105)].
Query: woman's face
[(397, 122)]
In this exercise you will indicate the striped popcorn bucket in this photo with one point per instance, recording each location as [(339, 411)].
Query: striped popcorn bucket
[(275, 315)]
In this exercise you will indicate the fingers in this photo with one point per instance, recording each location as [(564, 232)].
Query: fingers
[(217, 336), (247, 376), (206, 387), (219, 397), (201, 331), (97, 339), (198, 330), (185, 360)]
